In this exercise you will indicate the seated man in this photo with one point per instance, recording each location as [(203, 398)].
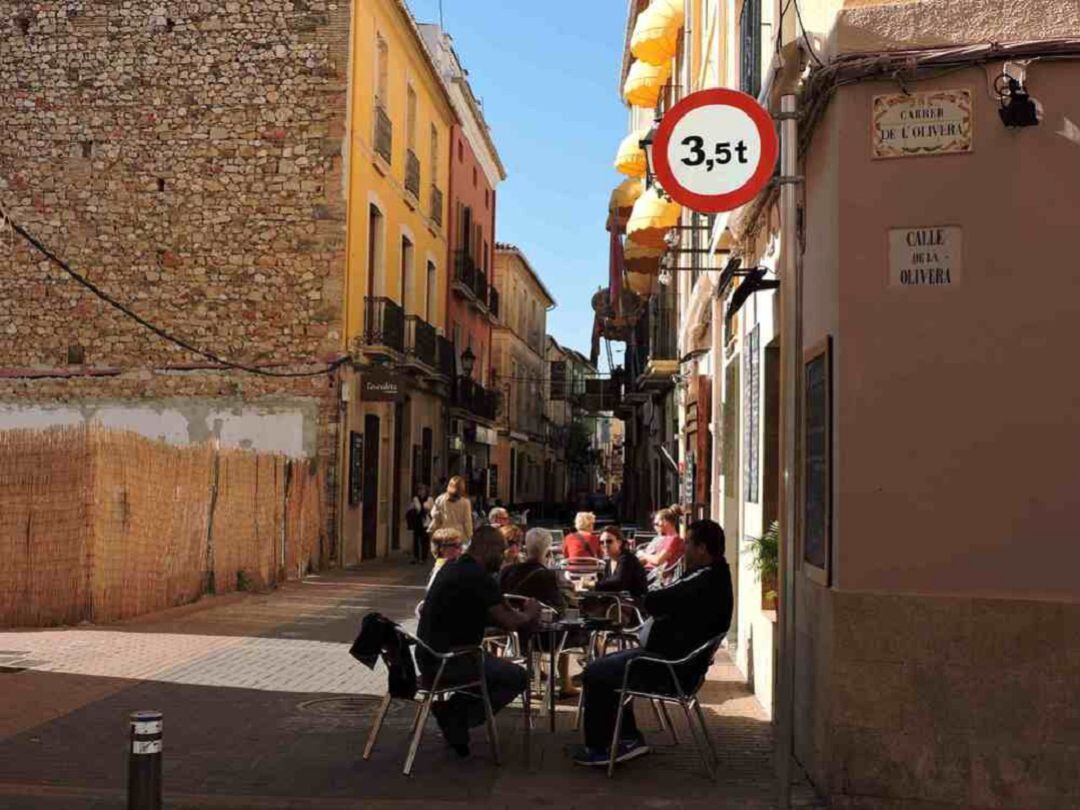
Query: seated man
[(684, 616), (462, 602), (663, 553)]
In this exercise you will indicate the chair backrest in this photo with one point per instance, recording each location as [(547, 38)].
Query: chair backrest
[(703, 658), (581, 566)]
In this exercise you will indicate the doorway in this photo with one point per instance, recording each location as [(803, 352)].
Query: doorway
[(369, 522)]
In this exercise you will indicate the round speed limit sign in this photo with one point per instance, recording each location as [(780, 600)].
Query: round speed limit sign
[(715, 150)]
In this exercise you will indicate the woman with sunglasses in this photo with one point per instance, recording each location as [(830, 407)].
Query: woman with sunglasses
[(623, 572)]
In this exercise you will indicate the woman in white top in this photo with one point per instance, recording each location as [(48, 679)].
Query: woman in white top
[(453, 510)]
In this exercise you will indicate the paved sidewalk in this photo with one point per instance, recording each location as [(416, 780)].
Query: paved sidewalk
[(264, 708)]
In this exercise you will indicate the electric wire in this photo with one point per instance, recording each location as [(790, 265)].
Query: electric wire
[(806, 38), (157, 330)]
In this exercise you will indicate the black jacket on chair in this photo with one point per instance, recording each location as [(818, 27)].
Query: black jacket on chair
[(379, 637)]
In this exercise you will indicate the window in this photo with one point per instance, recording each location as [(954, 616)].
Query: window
[(376, 224), (475, 179), (410, 118), (406, 270), (382, 68), (487, 198), (460, 151), (429, 296), (750, 48)]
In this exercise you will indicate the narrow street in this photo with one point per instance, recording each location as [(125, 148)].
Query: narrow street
[(264, 708)]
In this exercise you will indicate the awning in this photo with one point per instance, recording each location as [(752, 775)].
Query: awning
[(641, 258), (630, 159), (652, 217), (656, 34), (644, 83)]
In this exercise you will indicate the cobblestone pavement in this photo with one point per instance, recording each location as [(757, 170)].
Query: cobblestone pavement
[(264, 708)]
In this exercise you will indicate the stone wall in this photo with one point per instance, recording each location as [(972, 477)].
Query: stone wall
[(187, 158)]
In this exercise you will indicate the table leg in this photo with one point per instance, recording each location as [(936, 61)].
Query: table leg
[(551, 682)]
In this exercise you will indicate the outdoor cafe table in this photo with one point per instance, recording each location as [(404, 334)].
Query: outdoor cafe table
[(554, 631)]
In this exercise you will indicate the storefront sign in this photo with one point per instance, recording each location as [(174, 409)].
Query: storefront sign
[(485, 435), (379, 385), (917, 124), (925, 257)]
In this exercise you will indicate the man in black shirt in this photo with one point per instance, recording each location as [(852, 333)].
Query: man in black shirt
[(685, 615), (463, 601)]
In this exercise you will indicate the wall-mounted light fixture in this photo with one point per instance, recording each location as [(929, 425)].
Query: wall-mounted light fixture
[(1018, 109)]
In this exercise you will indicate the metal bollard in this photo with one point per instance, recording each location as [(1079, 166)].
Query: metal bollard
[(144, 762)]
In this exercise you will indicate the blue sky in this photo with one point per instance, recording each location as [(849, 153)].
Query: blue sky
[(548, 76)]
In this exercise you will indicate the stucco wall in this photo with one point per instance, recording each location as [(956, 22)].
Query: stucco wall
[(957, 439)]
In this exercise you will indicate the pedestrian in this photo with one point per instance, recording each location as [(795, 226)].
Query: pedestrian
[(418, 518), (498, 517), (463, 602), (446, 546), (453, 509), (685, 616), (583, 542)]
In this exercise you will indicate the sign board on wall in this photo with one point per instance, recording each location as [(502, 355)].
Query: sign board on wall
[(379, 385), (918, 124), (929, 256)]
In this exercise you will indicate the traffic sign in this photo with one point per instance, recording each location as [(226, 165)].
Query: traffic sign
[(715, 150)]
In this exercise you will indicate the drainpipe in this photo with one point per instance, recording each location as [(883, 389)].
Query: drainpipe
[(790, 375)]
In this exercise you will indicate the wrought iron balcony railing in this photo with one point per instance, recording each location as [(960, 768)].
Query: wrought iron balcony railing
[(384, 323), (384, 133), (474, 398), (480, 287), (493, 301), (436, 205), (465, 271), (412, 173), (420, 341), (447, 357)]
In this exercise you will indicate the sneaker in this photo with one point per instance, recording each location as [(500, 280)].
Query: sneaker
[(590, 757), (631, 749)]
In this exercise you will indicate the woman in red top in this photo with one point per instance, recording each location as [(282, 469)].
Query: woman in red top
[(583, 542)]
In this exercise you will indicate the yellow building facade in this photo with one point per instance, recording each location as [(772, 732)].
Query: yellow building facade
[(396, 278)]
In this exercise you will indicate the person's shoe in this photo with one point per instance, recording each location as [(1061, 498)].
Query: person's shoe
[(631, 749), (590, 757)]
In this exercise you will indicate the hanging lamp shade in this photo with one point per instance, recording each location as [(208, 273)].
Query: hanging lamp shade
[(624, 196), (630, 159), (652, 217), (656, 33), (641, 258), (644, 83), (641, 284)]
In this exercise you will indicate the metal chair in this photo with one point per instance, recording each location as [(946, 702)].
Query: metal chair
[(687, 699), (425, 697)]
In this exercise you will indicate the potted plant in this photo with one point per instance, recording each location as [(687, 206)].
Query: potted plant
[(766, 563)]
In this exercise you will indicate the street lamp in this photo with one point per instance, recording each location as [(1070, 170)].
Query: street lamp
[(646, 145), (468, 361)]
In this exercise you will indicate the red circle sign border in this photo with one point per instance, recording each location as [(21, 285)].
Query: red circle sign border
[(715, 203)]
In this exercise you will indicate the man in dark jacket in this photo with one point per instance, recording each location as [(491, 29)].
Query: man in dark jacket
[(462, 602), (685, 615)]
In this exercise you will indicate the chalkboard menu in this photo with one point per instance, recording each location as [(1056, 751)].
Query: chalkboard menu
[(752, 422), (817, 451), (356, 466)]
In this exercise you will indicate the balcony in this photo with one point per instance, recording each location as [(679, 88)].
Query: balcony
[(662, 360), (493, 302), (436, 205), (384, 327), (474, 398), (384, 134), (447, 357), (421, 347), (464, 280), (481, 288), (412, 173)]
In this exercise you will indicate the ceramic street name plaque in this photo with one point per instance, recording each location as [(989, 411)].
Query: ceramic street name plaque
[(925, 257), (932, 123)]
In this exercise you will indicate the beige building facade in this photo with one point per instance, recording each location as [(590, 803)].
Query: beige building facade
[(928, 623)]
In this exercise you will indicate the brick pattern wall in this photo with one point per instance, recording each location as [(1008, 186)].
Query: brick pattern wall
[(186, 157)]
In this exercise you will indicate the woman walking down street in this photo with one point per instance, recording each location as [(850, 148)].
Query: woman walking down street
[(418, 519), (453, 509)]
